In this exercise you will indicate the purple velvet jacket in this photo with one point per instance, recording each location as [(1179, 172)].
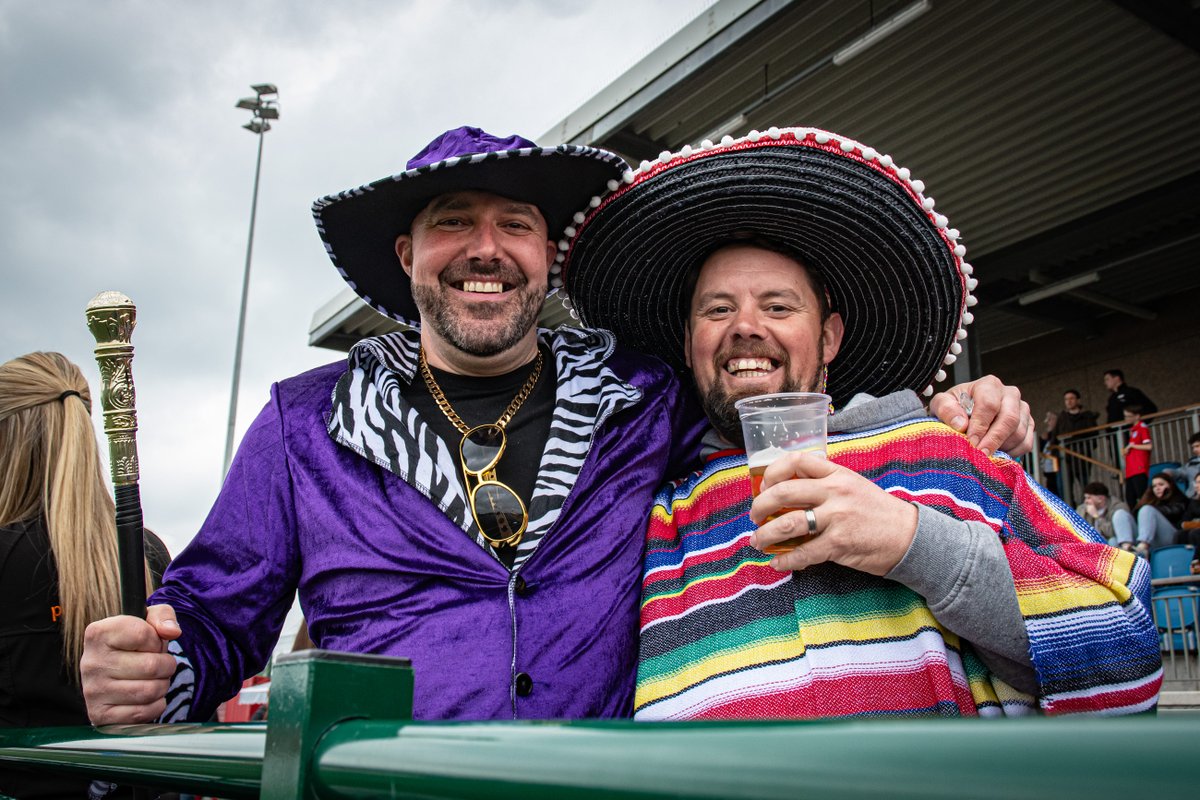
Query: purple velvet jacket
[(380, 569)]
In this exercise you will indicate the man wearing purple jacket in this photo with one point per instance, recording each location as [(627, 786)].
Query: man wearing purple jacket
[(470, 493)]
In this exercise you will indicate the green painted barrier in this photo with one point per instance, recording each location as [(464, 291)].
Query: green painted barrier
[(339, 727)]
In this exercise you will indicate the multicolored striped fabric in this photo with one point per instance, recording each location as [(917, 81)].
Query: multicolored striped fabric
[(724, 636)]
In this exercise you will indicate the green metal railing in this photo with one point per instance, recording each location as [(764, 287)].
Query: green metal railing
[(340, 727)]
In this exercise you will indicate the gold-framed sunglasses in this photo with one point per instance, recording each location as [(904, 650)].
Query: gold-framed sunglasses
[(498, 511)]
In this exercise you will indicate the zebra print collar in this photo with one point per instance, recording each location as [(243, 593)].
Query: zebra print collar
[(371, 417)]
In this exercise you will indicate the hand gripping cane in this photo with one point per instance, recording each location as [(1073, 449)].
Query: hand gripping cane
[(111, 317)]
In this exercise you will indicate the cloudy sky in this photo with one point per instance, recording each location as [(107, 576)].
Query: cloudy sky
[(124, 167)]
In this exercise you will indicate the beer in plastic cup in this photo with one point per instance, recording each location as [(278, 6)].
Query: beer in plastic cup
[(775, 424)]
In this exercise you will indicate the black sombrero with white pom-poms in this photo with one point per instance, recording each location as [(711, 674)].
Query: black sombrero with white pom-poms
[(893, 267)]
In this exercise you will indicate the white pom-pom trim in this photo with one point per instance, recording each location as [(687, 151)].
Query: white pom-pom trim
[(971, 284), (821, 138), (956, 348), (967, 318), (904, 173), (940, 376), (962, 334), (967, 269), (949, 359), (595, 201), (612, 185), (918, 186), (579, 217), (563, 244), (569, 231), (556, 281), (971, 301), (928, 391), (960, 251)]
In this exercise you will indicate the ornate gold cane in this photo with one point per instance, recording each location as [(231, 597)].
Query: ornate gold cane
[(111, 317)]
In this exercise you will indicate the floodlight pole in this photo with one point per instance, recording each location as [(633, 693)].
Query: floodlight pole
[(263, 110)]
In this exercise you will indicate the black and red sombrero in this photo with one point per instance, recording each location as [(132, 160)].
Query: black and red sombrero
[(893, 267)]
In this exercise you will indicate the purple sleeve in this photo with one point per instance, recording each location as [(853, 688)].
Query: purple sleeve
[(232, 586)]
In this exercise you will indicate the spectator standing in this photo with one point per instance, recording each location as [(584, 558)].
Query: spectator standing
[(1159, 514), (1112, 518), (1137, 456), (1074, 418), (58, 552), (1121, 395)]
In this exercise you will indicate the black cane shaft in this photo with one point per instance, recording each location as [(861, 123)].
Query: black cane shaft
[(131, 550)]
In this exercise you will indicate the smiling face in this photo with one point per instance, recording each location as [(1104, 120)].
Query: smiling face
[(755, 327), (479, 265)]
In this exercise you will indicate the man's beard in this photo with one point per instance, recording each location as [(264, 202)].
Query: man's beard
[(718, 403), (469, 331)]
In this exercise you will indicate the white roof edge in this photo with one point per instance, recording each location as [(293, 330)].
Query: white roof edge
[(333, 313), (575, 127)]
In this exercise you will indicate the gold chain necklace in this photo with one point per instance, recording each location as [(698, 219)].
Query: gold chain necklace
[(440, 398)]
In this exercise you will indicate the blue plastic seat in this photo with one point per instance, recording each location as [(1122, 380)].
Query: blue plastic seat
[(1172, 561), (1175, 610), (1161, 465)]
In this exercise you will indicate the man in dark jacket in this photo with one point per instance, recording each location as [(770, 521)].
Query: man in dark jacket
[(1073, 471), (1122, 394)]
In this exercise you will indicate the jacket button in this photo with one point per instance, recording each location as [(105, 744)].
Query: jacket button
[(519, 586), (524, 684)]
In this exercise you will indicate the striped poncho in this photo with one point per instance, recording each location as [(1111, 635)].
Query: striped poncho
[(723, 635)]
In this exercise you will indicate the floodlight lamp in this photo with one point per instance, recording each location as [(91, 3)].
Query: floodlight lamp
[(257, 126), (268, 112), (250, 103), (265, 88)]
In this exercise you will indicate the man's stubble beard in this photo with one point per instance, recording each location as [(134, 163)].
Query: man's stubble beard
[(718, 403), (475, 336)]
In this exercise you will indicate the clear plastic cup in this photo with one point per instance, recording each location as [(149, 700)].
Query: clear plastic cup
[(775, 424)]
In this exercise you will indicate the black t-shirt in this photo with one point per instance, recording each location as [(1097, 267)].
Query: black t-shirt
[(36, 688), (479, 401)]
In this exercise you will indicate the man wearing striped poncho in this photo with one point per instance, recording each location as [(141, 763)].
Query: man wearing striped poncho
[(904, 604), (931, 578)]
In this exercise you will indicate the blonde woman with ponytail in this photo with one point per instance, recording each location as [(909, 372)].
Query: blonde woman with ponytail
[(58, 551)]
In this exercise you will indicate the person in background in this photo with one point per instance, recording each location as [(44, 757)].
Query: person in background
[(1046, 454), (1159, 514), (1137, 455), (1111, 518), (1191, 524), (1187, 474), (1121, 395), (1074, 472), (58, 552)]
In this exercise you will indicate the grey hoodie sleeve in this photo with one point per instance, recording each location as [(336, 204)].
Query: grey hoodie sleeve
[(961, 571)]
